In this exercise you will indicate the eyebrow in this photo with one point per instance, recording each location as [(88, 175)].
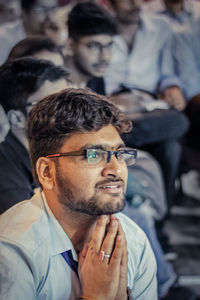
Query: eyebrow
[(98, 43), (102, 146)]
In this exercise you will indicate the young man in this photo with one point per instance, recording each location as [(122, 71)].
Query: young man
[(38, 17), (22, 83), (79, 160), (91, 30)]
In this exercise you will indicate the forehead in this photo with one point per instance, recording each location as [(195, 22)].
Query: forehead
[(122, 3), (54, 57), (46, 3), (108, 137), (102, 39)]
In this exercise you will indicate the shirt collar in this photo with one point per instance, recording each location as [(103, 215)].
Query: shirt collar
[(60, 242), (146, 24)]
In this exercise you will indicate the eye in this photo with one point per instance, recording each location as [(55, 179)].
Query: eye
[(94, 156), (93, 46)]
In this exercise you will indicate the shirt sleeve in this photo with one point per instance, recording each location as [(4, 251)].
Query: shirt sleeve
[(16, 273), (168, 77), (186, 64)]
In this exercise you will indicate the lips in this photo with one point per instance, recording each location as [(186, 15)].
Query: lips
[(111, 188)]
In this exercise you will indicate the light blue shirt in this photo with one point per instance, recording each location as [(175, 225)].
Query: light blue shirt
[(190, 12), (10, 34), (186, 53), (149, 63), (31, 264)]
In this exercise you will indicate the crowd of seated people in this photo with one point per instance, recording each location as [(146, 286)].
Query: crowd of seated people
[(135, 58)]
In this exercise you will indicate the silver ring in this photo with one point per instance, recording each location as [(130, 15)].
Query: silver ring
[(104, 255)]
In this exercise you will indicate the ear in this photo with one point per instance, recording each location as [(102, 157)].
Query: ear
[(17, 118), (45, 169), (70, 44)]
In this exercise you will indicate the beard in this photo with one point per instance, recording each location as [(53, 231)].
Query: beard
[(72, 198)]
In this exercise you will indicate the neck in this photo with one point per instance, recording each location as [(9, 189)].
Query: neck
[(77, 226), (78, 78), (20, 134), (128, 32), (27, 29), (175, 9)]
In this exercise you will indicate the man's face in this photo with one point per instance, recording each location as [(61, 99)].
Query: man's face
[(40, 16), (127, 11), (10, 10), (93, 190), (92, 54)]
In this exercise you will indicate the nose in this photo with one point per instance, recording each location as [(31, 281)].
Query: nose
[(114, 168), (105, 54)]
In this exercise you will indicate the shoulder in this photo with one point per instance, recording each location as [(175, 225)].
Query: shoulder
[(21, 224), (156, 22), (135, 235)]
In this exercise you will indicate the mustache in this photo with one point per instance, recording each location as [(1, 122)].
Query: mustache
[(101, 64), (109, 181)]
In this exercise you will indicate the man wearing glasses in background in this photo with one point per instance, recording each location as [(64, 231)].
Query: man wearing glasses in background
[(68, 241), (39, 17)]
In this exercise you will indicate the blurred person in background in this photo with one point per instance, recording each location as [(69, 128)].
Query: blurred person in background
[(10, 11), (38, 17), (40, 47), (180, 13), (142, 62), (23, 82)]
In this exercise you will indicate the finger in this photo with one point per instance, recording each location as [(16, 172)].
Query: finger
[(109, 241), (116, 257), (98, 233), (82, 255), (124, 261)]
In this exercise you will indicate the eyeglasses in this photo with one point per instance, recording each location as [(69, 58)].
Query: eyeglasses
[(96, 47), (100, 157), (39, 9)]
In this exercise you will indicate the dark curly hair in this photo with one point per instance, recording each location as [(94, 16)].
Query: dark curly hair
[(58, 116)]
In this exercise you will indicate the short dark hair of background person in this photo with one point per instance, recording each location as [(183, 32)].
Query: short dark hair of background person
[(89, 19), (22, 77), (33, 45)]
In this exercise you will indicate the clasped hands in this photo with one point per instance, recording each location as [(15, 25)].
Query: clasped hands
[(104, 278)]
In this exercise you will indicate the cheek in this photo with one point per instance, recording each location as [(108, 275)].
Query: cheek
[(37, 20), (84, 179)]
